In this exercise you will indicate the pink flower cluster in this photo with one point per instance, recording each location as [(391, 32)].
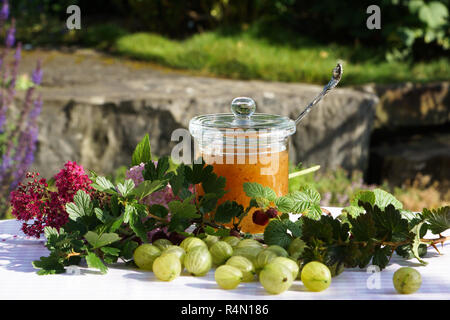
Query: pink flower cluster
[(162, 197), (71, 179), (38, 206)]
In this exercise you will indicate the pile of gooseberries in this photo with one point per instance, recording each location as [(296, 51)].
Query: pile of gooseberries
[(235, 260), (238, 261)]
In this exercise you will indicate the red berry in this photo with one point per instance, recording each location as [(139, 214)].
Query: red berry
[(272, 212), (260, 218)]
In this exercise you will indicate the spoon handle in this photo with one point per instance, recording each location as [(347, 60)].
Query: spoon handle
[(337, 74)]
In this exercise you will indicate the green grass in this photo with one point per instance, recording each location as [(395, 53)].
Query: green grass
[(245, 55)]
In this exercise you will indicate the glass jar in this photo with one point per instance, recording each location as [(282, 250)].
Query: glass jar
[(244, 146)]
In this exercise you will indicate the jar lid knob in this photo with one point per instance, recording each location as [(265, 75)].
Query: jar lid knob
[(243, 107)]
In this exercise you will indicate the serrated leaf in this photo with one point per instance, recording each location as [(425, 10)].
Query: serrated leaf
[(104, 185), (214, 184), (148, 187), (317, 229), (381, 256), (376, 197), (142, 152), (100, 240), (352, 211), (81, 207), (95, 262), (50, 232), (438, 219), (389, 223), (184, 209), (306, 202), (49, 265), (208, 202), (256, 190), (227, 211), (284, 204), (363, 227), (126, 187), (384, 199), (366, 196), (156, 170), (111, 251), (281, 232)]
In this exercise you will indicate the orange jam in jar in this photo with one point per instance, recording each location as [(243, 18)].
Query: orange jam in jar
[(245, 147)]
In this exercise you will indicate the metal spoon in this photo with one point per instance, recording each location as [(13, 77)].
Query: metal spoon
[(337, 74)]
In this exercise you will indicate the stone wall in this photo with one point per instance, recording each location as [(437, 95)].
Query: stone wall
[(96, 109)]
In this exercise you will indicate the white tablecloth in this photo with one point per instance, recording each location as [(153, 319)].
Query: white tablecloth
[(18, 279)]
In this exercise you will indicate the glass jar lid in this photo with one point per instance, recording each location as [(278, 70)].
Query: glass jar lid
[(243, 117)]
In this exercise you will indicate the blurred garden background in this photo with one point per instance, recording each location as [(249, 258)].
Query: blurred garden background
[(148, 66)]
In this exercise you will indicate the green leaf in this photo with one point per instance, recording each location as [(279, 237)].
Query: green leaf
[(281, 232), (142, 153), (128, 249), (157, 172), (104, 185), (284, 204), (365, 196), (49, 265), (376, 197), (117, 222), (363, 227), (130, 212), (184, 209), (159, 210), (384, 199), (138, 227), (317, 229), (148, 187), (382, 256), (417, 242), (306, 202), (101, 215), (95, 262), (227, 211), (178, 181), (214, 184), (50, 232), (111, 251), (389, 223), (81, 207), (207, 202), (126, 187), (256, 190), (438, 219), (97, 241), (352, 211), (220, 232)]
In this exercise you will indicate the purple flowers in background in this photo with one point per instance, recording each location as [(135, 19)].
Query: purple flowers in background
[(18, 127), (36, 76), (4, 12)]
